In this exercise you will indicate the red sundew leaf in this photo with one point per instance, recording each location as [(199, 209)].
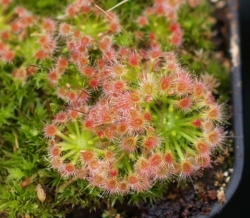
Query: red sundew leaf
[(87, 155), (115, 27), (40, 55), (8, 56), (197, 123), (168, 157), (129, 144), (184, 103), (202, 147), (134, 60), (71, 11), (111, 185), (186, 168), (93, 83), (65, 29), (48, 25), (142, 21), (50, 130)]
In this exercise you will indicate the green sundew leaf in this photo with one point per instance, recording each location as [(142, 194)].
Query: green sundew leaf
[(15, 174)]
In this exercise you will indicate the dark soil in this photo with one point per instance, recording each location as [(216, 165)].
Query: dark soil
[(194, 199), (187, 202)]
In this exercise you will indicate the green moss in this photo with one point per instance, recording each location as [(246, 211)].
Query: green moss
[(44, 7)]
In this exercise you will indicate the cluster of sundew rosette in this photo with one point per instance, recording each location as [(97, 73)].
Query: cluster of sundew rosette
[(13, 30), (19, 23), (16, 26), (133, 116)]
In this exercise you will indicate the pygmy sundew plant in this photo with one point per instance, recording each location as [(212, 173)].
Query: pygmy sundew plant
[(16, 25), (132, 117)]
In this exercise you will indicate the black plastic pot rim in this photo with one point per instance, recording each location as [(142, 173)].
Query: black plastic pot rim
[(236, 85)]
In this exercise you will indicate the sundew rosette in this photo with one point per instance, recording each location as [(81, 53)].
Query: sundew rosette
[(160, 22), (132, 119)]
